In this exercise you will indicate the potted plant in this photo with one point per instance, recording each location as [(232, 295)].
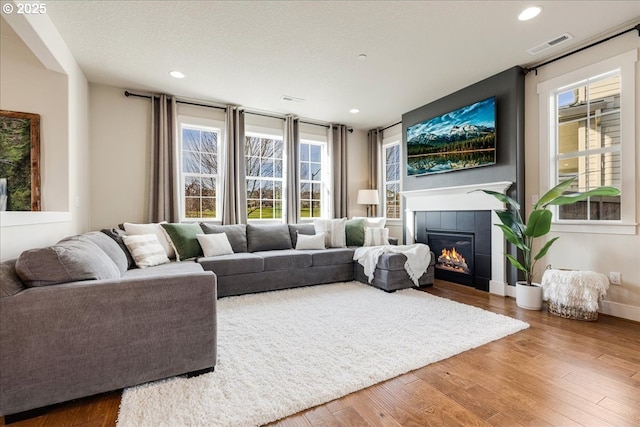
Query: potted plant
[(528, 293)]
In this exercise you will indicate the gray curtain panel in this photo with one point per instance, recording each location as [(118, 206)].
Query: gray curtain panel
[(234, 197), (338, 145), (292, 141), (163, 188), (374, 149)]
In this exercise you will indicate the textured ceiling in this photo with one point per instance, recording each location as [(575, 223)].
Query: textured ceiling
[(251, 53)]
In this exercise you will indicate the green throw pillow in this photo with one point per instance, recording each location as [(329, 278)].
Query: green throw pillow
[(354, 228), (184, 240)]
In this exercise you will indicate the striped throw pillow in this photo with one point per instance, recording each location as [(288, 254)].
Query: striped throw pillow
[(146, 250), (335, 236), (374, 236)]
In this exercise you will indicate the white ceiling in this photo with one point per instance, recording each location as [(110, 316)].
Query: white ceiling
[(250, 53)]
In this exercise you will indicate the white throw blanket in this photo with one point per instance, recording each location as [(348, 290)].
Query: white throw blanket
[(579, 289), (418, 258)]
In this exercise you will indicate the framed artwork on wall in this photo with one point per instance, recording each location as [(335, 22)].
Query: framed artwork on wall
[(19, 161)]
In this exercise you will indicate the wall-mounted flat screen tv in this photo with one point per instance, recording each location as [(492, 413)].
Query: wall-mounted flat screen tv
[(461, 139)]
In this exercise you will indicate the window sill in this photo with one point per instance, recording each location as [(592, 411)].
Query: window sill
[(394, 221), (591, 228)]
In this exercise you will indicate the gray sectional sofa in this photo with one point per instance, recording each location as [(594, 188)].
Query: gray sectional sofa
[(77, 320), (264, 260), (84, 324)]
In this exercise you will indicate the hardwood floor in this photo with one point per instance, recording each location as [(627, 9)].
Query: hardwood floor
[(557, 372)]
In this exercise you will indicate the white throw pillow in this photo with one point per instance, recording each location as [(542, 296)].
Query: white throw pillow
[(214, 244), (154, 228), (313, 241), (376, 236), (335, 234), (373, 222), (145, 250)]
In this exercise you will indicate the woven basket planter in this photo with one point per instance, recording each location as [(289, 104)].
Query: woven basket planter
[(574, 313)]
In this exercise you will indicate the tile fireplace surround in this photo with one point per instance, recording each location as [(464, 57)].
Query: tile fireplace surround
[(460, 198)]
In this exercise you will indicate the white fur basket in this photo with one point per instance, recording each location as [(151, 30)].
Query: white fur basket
[(574, 294)]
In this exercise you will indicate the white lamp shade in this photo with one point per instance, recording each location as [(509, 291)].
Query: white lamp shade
[(368, 197)]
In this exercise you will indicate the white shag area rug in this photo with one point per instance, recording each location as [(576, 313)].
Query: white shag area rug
[(285, 351)]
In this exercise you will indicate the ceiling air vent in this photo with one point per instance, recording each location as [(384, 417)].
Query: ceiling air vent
[(549, 44), (291, 98)]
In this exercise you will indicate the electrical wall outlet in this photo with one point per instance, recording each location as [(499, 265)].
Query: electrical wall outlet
[(614, 278)]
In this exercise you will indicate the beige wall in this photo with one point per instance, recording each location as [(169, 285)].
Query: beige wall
[(357, 172), (597, 252), (120, 137), (51, 85)]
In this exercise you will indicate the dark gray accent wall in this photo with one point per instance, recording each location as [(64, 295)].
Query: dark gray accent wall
[(508, 89)]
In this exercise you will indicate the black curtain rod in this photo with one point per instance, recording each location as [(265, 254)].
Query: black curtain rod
[(301, 121), (315, 124), (264, 115), (127, 93), (535, 68), (390, 126)]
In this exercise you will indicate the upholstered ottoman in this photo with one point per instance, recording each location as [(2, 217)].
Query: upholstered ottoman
[(390, 274)]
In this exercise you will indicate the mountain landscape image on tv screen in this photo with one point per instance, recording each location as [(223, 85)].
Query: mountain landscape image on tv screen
[(464, 138)]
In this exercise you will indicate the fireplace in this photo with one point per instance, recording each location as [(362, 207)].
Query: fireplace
[(465, 233), (452, 209), (454, 256)]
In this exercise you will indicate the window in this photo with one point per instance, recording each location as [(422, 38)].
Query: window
[(587, 129), (588, 117), (264, 172), (392, 179), (199, 146), (312, 188)]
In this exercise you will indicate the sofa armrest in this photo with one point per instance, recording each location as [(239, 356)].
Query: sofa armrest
[(77, 339)]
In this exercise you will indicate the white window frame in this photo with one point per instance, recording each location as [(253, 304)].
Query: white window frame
[(209, 126), (262, 132), (387, 142), (625, 63), (324, 178)]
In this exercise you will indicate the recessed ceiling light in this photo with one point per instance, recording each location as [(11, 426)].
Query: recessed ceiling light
[(530, 13), (176, 74), (362, 56), (354, 111)]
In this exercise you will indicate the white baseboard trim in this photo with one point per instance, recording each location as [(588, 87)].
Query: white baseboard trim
[(625, 311), (502, 289)]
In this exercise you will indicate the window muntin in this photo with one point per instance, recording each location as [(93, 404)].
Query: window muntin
[(588, 144), (199, 146), (392, 180), (312, 189), (264, 176)]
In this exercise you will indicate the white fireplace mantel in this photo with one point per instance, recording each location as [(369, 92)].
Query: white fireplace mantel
[(464, 198)]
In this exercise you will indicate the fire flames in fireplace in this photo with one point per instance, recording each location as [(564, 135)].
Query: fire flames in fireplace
[(452, 260)]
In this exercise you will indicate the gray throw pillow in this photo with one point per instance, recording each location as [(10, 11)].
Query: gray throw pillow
[(67, 261), (261, 237), (236, 233), (295, 229), (117, 234), (109, 246)]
